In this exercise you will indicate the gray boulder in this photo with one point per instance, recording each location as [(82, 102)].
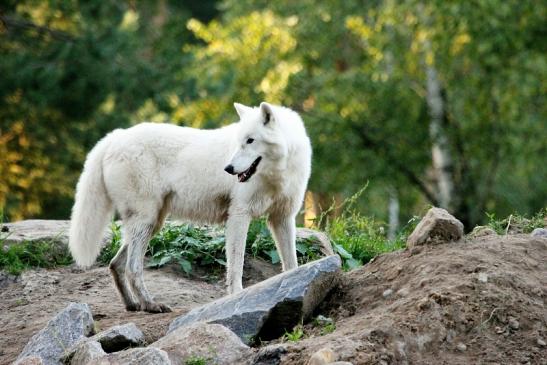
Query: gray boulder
[(120, 337), (437, 226), (265, 310), (138, 356), (61, 333), (212, 343)]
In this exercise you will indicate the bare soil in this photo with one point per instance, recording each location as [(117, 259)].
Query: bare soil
[(473, 302)]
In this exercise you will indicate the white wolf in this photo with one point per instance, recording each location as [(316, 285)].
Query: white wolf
[(151, 170)]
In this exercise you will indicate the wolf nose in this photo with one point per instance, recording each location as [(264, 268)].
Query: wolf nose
[(229, 169)]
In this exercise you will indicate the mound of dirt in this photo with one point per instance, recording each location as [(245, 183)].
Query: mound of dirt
[(480, 301)]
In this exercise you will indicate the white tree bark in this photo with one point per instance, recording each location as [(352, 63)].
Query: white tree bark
[(441, 156), (393, 213)]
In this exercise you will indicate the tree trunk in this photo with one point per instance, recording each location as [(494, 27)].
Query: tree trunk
[(440, 149), (393, 213)]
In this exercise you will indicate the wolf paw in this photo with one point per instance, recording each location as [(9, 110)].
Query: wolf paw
[(132, 307), (153, 307)]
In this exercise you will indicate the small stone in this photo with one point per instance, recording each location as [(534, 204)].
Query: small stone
[(437, 226), (387, 293), (539, 232), (499, 330), (323, 356), (323, 321), (513, 323), (483, 277), (461, 347), (541, 343), (143, 355), (403, 292), (482, 231)]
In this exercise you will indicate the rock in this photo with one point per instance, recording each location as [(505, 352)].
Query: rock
[(438, 226), (483, 277), (323, 356), (461, 347), (61, 333), (321, 237), (265, 310), (40, 230), (120, 337), (387, 293), (482, 231), (541, 343), (140, 356), (513, 323), (323, 321), (29, 360), (84, 352), (539, 232), (269, 355), (212, 342)]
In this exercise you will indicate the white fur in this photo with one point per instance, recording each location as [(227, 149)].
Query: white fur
[(151, 170)]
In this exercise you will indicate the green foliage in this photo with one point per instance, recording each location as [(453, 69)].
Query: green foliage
[(196, 360), (516, 223), (295, 335), (109, 251), (21, 256), (186, 245)]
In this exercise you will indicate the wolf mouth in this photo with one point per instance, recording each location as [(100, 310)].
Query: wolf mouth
[(246, 175)]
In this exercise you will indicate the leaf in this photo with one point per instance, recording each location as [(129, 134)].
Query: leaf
[(159, 261), (274, 256), (342, 251), (185, 265), (302, 248), (352, 263), (220, 261)]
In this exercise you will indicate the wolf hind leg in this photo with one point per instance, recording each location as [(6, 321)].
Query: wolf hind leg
[(139, 234), (284, 233), (117, 269)]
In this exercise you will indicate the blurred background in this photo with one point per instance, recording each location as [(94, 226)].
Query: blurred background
[(430, 102)]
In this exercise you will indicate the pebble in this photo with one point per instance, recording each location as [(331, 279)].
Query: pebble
[(483, 278), (322, 320), (461, 347), (539, 232), (513, 323), (387, 293), (541, 343)]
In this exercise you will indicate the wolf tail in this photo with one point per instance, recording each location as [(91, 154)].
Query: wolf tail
[(92, 209)]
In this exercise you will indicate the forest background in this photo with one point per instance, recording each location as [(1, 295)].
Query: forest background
[(430, 102)]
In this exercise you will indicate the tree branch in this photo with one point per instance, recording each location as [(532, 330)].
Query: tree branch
[(10, 22)]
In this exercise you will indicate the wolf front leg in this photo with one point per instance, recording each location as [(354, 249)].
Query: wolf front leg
[(237, 226), (283, 229)]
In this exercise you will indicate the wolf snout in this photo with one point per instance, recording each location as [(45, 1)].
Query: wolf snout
[(229, 169)]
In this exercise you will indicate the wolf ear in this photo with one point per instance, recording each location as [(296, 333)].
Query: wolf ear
[(241, 109), (266, 110)]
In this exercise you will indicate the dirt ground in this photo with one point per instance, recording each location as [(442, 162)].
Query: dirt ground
[(27, 303), (475, 302), (480, 302)]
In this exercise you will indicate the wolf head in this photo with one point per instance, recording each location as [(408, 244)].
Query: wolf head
[(261, 146)]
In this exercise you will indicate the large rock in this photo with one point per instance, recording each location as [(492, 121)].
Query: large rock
[(438, 226), (84, 352), (138, 356), (265, 310), (120, 337), (213, 343), (40, 230), (61, 333)]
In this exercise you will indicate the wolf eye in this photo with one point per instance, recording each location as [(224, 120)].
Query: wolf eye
[(250, 140)]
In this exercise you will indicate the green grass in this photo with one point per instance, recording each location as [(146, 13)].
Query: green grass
[(516, 223), (22, 256), (295, 335), (196, 360)]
